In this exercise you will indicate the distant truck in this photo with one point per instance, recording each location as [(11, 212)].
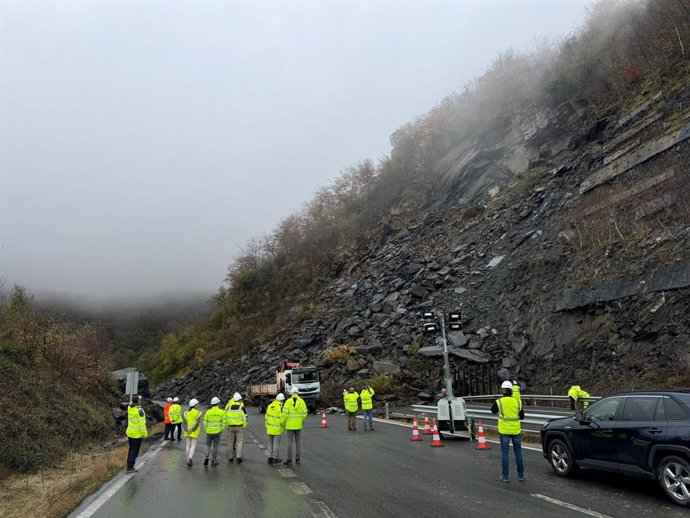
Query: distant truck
[(288, 375)]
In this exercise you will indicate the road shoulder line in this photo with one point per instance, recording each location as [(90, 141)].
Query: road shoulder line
[(570, 506), (111, 487)]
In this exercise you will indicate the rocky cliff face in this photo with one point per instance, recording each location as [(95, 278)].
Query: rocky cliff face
[(564, 243)]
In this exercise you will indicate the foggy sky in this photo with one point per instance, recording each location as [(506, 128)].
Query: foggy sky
[(143, 141)]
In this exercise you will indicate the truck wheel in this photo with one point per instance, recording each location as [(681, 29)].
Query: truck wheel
[(674, 476), (561, 458)]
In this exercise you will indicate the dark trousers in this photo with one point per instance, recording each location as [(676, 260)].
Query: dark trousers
[(134, 446), (178, 427), (168, 431)]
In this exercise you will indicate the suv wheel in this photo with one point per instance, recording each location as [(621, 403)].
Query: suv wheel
[(561, 458), (674, 477)]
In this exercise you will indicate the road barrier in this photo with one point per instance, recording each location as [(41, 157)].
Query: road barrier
[(533, 419)]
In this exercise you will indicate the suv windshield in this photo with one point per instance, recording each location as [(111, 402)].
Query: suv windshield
[(305, 377), (604, 410)]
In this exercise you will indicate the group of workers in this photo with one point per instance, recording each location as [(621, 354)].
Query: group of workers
[(281, 415), (289, 415), (351, 402)]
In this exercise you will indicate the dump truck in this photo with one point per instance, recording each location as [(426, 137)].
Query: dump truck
[(288, 375)]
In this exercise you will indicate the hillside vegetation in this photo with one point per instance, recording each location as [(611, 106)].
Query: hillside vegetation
[(534, 115), (58, 394)]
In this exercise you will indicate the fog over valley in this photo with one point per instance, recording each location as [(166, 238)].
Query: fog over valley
[(142, 144)]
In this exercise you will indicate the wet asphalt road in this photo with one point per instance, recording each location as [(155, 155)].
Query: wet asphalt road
[(361, 475)]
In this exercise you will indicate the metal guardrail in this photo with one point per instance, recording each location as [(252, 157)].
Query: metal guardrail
[(475, 414), (533, 398), (531, 418)]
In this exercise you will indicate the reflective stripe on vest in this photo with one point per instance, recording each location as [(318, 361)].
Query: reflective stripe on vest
[(213, 421), (192, 417), (509, 415), (136, 423)]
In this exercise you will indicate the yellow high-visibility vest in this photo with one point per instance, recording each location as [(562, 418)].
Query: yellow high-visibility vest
[(214, 420), (136, 422), (509, 415), (191, 417), (274, 418)]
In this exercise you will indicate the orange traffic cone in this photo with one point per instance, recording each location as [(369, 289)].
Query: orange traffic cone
[(436, 441), (427, 428), (324, 424), (415, 431), (481, 439)]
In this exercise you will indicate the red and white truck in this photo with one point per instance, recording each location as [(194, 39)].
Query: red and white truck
[(288, 375)]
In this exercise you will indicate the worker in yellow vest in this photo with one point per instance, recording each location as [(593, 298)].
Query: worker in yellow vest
[(192, 429), (274, 428), (235, 422), (517, 390), (575, 394), (510, 412), (136, 431), (294, 414), (214, 423), (367, 407), (175, 414), (350, 398)]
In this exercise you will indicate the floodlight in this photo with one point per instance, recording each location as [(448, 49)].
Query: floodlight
[(430, 327)]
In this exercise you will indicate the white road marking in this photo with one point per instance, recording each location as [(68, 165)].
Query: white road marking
[(287, 473), (323, 511), (300, 488), (108, 494), (261, 446), (572, 507)]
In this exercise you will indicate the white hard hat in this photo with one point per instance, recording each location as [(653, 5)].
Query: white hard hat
[(506, 385), (215, 400), (176, 400), (280, 397), (237, 396), (169, 400), (193, 402), (294, 390)]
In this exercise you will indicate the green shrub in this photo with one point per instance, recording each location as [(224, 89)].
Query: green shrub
[(338, 353)]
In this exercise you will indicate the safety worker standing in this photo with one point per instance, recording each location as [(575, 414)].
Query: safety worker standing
[(166, 418), (192, 429), (235, 422), (274, 428), (294, 414), (510, 412), (214, 420), (517, 390), (175, 413), (136, 431), (575, 394), (367, 407), (350, 398)]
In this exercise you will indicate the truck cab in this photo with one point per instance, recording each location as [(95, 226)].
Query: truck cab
[(304, 378)]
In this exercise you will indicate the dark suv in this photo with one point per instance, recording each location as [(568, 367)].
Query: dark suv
[(645, 434)]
